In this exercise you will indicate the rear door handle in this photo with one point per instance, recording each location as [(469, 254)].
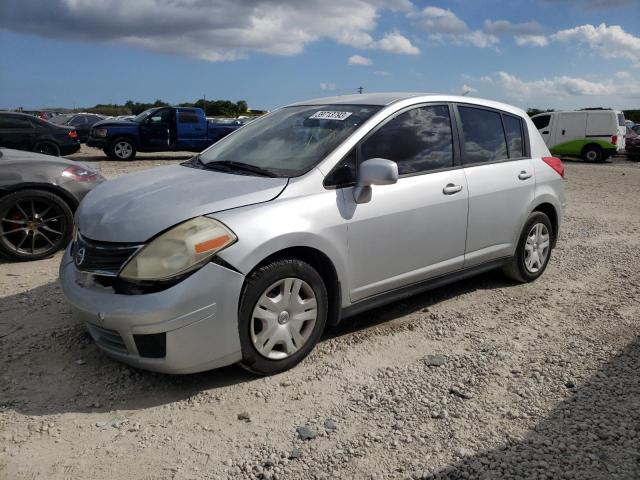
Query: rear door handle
[(523, 175), (451, 188), (546, 132)]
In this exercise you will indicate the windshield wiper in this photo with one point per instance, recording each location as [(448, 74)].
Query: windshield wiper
[(233, 165)]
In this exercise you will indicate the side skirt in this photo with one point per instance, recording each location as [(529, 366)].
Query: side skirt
[(415, 288)]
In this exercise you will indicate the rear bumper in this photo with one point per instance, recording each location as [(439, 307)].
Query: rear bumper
[(198, 317), (69, 149)]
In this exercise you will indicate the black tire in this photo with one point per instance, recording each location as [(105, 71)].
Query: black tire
[(257, 283), (47, 148), (18, 241), (593, 153), (516, 269), (115, 149)]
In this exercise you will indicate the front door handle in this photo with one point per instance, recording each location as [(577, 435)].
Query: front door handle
[(545, 132), (451, 188), (523, 175)]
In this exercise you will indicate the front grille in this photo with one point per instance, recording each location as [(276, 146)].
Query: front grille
[(109, 339), (102, 258)]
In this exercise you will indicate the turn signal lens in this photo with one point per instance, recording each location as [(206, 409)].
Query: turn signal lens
[(555, 163), (180, 250)]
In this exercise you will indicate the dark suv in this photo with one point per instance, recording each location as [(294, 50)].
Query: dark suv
[(24, 132)]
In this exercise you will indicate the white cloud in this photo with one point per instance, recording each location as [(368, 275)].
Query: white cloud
[(467, 88), (623, 75), (327, 86), (531, 40), (607, 41), (394, 42), (501, 27), (359, 60), (440, 20), (443, 26), (480, 39), (381, 73), (220, 30), (557, 86)]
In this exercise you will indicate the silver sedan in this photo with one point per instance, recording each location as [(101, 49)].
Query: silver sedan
[(311, 214)]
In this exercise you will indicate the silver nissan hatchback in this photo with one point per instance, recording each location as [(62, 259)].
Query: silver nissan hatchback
[(318, 211)]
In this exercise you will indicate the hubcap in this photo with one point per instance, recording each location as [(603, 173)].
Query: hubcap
[(32, 227), (591, 155), (283, 318), (536, 248), (123, 150)]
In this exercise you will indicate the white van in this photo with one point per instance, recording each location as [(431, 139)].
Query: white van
[(593, 135)]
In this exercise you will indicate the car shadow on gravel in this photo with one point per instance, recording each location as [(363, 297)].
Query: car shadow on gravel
[(45, 347), (595, 434), (50, 365), (420, 302)]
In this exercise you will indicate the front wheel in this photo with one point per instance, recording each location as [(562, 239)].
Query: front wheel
[(533, 250), (34, 224), (122, 149), (283, 312)]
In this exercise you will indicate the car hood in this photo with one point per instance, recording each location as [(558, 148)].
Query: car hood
[(136, 207)]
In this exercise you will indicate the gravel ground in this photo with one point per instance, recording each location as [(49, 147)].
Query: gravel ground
[(480, 379)]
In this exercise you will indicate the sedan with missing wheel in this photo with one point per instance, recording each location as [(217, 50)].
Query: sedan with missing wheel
[(38, 196), (313, 213)]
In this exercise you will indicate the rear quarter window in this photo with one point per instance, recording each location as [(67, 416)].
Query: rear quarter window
[(187, 117)]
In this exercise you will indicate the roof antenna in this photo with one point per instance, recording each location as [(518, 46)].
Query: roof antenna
[(466, 93), (360, 89)]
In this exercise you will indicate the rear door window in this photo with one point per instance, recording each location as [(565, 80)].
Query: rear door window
[(418, 140), (484, 139), (14, 123), (187, 116), (513, 131), (541, 121)]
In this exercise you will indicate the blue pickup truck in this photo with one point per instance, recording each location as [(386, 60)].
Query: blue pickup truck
[(161, 129)]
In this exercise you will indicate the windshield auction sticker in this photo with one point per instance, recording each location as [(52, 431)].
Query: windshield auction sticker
[(331, 115)]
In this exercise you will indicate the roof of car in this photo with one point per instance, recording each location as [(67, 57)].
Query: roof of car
[(387, 98), (383, 98)]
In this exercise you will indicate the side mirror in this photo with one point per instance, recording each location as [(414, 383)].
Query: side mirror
[(376, 171)]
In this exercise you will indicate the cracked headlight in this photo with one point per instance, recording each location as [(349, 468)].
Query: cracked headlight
[(179, 250)]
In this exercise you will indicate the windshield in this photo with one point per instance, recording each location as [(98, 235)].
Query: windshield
[(292, 140), (140, 117), (61, 119)]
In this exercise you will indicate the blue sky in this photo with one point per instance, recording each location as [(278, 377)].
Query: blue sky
[(542, 53)]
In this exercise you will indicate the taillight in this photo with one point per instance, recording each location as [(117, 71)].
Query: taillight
[(614, 139), (555, 163), (73, 134)]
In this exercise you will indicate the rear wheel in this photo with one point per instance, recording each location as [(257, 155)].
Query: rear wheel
[(283, 312), (34, 224), (47, 148), (533, 250), (122, 149), (592, 153)]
